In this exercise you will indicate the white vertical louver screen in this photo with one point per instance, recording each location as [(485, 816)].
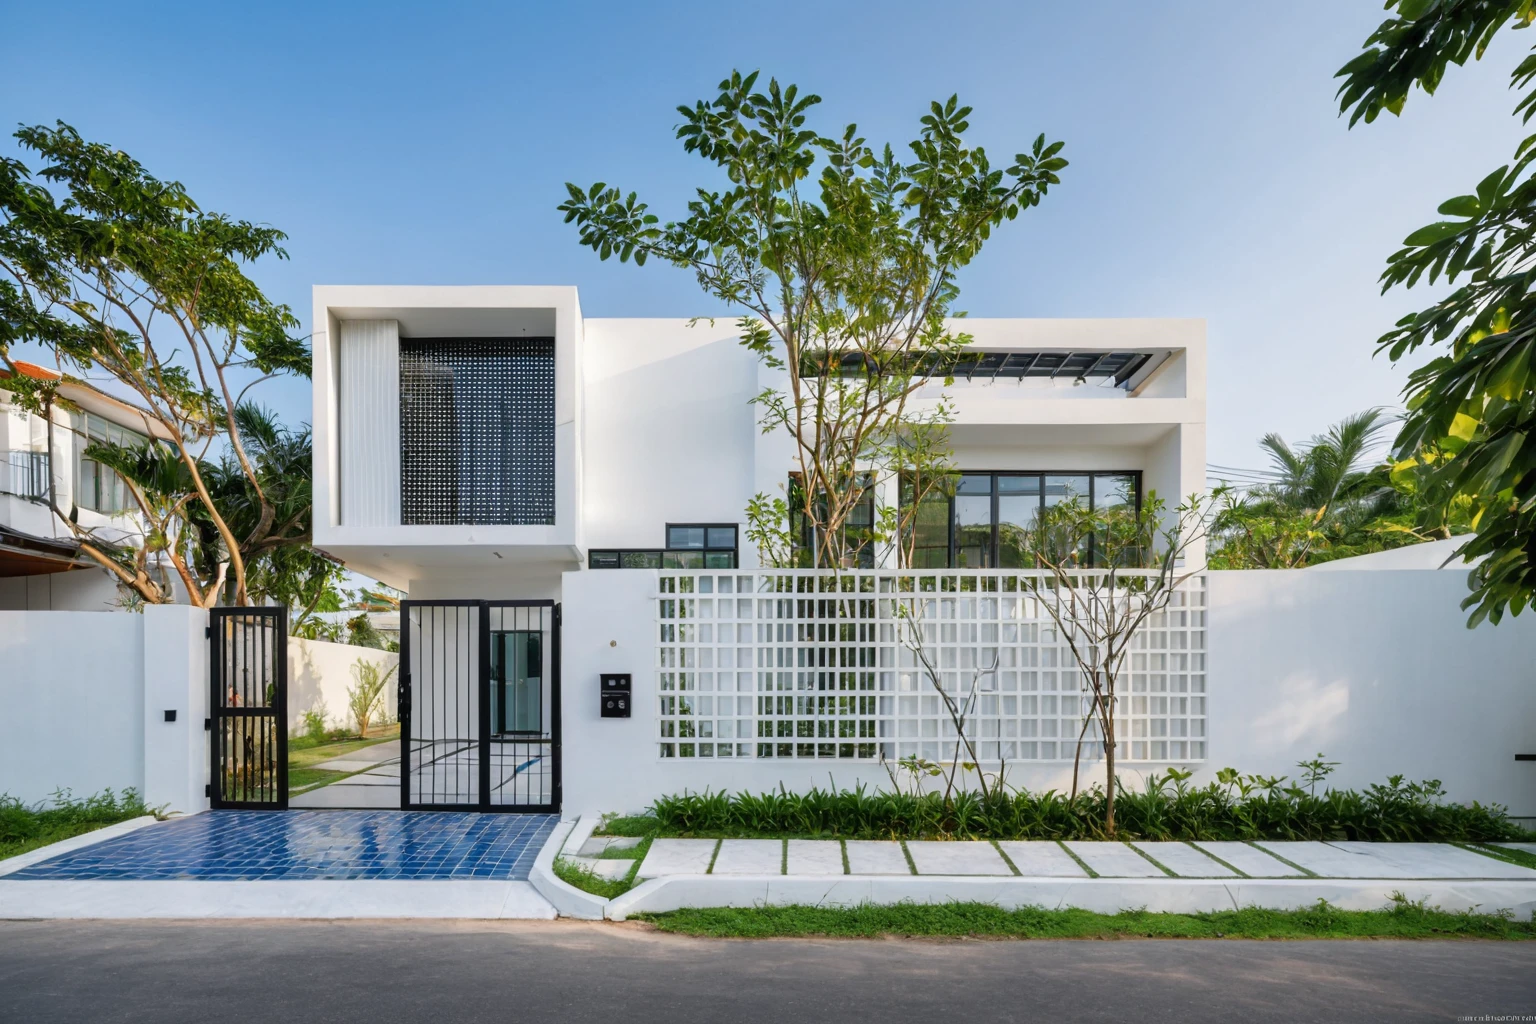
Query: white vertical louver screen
[(370, 422)]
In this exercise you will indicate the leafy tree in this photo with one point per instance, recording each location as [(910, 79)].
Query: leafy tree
[(842, 260), (1470, 409), (125, 273), (1110, 571), (1326, 499)]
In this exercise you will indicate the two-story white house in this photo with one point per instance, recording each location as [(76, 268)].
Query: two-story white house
[(41, 567), (487, 449)]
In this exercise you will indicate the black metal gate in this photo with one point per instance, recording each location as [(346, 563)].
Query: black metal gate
[(480, 705), (248, 673)]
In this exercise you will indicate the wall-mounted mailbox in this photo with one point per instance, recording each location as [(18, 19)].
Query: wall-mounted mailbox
[(615, 695)]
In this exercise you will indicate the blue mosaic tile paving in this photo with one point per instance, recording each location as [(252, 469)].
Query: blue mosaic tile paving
[(309, 845)]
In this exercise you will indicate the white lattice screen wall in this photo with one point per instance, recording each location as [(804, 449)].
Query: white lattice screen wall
[(809, 664)]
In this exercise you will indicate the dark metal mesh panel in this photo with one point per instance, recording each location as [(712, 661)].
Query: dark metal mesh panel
[(477, 430)]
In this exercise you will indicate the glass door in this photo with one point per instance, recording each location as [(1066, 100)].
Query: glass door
[(517, 682)]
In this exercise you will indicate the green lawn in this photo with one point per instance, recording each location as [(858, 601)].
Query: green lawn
[(303, 753), (1404, 920), (24, 828)]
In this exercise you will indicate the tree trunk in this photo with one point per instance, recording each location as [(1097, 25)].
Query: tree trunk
[(1109, 766)]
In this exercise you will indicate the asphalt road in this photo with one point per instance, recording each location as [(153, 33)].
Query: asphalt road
[(381, 972)]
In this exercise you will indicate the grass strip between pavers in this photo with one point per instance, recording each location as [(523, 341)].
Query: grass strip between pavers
[(1402, 920)]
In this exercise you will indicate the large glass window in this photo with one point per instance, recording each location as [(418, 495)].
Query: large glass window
[(101, 489), (477, 430), (990, 519)]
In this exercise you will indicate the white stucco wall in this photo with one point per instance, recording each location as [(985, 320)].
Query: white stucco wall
[(71, 703), (1374, 670), (321, 673)]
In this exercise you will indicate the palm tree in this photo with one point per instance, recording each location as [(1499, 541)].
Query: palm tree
[(1324, 491)]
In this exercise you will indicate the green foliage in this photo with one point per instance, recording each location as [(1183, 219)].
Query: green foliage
[(1169, 808), (1401, 919), (365, 698), (123, 273), (842, 260), (24, 827), (314, 725), (583, 878), (1471, 409), (1323, 500)]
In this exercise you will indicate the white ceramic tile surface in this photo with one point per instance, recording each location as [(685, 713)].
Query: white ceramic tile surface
[(963, 858), (1185, 861), (1115, 860), (1042, 859), (875, 857), (750, 857), (1250, 860), (678, 857), (815, 857)]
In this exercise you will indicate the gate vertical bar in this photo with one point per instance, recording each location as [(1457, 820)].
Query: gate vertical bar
[(403, 704), (554, 709), (483, 711)]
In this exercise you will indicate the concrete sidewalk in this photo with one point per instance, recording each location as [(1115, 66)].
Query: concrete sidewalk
[(1102, 876)]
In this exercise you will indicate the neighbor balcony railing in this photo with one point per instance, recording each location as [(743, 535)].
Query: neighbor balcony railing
[(812, 664), (24, 474)]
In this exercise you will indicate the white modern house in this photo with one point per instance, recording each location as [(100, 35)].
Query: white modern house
[(495, 454), (480, 442), (41, 568)]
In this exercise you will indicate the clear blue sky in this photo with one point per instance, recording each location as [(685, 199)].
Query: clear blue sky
[(429, 143)]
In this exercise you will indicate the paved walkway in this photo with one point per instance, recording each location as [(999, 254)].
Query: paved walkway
[(377, 784), (310, 846), (1044, 859)]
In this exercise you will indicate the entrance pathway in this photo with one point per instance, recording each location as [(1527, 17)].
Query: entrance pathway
[(377, 784), (311, 845), (1081, 860), (294, 864)]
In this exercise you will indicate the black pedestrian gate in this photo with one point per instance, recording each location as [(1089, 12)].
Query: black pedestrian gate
[(248, 673), (480, 705)]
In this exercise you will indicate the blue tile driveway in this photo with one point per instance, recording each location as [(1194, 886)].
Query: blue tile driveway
[(305, 845)]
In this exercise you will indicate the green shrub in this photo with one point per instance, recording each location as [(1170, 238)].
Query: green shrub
[(1236, 807), (23, 827)]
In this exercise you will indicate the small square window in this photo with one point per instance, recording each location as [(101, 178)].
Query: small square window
[(721, 538), (685, 537)]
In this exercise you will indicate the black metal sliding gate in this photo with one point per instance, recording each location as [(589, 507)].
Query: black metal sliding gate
[(248, 673), (480, 705)]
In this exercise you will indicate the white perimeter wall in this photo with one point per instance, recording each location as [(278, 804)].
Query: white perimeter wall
[(71, 703), (83, 698), (321, 673), (1375, 670)]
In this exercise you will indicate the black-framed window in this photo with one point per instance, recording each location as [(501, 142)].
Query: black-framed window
[(689, 546), (990, 518), (858, 528), (477, 431)]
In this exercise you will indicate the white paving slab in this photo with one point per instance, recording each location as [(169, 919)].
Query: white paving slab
[(1378, 860), (815, 857), (1185, 861), (961, 858), (1115, 860), (1042, 859), (1251, 861), (1523, 847), (1438, 860), (598, 844), (876, 857), (604, 867), (678, 857), (750, 857)]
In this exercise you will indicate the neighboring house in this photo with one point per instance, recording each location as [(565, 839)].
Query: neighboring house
[(41, 567)]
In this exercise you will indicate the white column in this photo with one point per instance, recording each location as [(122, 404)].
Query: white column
[(368, 408), (176, 760)]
